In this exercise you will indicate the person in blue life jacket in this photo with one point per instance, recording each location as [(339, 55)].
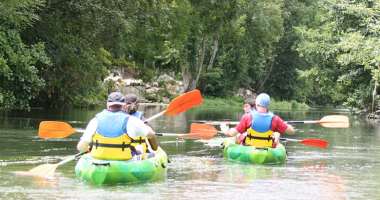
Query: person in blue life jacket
[(112, 131), (131, 108), (262, 126)]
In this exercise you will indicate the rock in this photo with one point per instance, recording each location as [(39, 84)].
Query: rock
[(165, 100), (152, 90), (165, 78), (248, 93), (372, 116)]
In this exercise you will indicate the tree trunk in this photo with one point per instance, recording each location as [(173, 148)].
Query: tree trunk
[(186, 77), (194, 80), (215, 49), (261, 85)]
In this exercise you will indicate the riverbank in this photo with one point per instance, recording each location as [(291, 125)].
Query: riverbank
[(239, 102)]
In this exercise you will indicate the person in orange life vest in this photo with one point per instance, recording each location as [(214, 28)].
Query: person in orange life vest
[(260, 125), (131, 108), (112, 130), (249, 104)]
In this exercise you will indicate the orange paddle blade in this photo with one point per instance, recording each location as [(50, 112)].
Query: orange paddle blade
[(42, 170), (52, 129), (314, 142), (184, 102), (334, 121), (203, 128)]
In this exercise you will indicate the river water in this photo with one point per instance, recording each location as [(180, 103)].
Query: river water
[(348, 168)]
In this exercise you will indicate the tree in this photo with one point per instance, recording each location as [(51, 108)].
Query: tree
[(207, 21), (19, 78), (347, 46)]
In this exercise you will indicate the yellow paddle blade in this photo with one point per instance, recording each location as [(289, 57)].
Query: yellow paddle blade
[(334, 121), (53, 129), (42, 170)]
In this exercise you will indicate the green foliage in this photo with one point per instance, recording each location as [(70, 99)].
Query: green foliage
[(215, 101), (346, 48), (282, 82), (239, 102), (294, 104), (59, 52), (18, 75)]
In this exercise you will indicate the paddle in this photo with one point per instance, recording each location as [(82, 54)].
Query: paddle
[(330, 121), (188, 135), (209, 131), (49, 169), (53, 129), (180, 104), (310, 142)]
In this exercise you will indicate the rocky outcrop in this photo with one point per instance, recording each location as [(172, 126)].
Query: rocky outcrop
[(160, 90), (244, 93)]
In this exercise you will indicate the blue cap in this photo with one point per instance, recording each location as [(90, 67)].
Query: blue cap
[(263, 100)]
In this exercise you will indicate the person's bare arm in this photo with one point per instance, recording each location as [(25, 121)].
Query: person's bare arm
[(147, 123), (91, 128), (290, 130), (82, 146), (230, 132), (152, 141)]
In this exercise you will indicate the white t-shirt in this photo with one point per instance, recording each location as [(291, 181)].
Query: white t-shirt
[(135, 128)]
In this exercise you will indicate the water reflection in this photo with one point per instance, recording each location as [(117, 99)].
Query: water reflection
[(348, 168)]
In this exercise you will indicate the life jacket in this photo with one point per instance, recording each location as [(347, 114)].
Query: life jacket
[(111, 142), (260, 133), (139, 140)]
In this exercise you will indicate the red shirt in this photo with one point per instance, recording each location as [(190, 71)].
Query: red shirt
[(246, 122)]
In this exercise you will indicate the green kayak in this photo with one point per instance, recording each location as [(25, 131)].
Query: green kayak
[(112, 172), (255, 155)]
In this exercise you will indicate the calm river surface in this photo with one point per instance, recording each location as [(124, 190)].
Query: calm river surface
[(349, 168)]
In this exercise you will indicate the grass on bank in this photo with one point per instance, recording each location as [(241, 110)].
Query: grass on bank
[(239, 102)]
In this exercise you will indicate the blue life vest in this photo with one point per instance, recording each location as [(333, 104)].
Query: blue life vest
[(111, 141), (260, 133)]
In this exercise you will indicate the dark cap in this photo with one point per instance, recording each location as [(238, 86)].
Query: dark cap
[(116, 98)]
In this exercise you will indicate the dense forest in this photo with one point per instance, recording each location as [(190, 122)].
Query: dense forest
[(55, 52)]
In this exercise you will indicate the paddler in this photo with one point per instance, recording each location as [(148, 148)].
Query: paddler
[(133, 103), (262, 126), (248, 104), (112, 131)]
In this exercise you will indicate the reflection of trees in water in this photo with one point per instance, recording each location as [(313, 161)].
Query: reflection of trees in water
[(330, 185), (208, 170), (309, 178), (165, 123)]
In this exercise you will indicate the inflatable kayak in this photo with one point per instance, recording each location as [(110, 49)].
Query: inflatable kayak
[(110, 172), (252, 154)]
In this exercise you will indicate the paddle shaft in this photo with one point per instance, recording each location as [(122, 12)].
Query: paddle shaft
[(170, 134), (146, 121), (70, 158), (155, 116), (288, 139), (329, 121), (302, 122), (288, 122)]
